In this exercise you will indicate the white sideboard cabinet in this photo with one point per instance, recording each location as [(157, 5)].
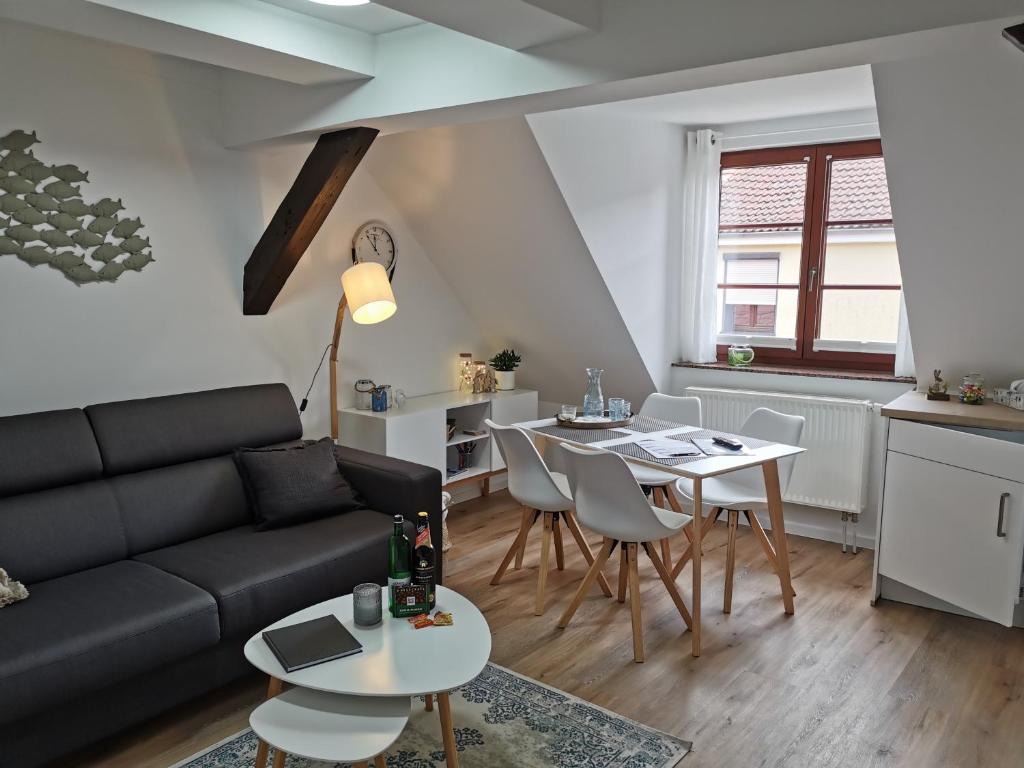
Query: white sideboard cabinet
[(951, 527), (417, 431)]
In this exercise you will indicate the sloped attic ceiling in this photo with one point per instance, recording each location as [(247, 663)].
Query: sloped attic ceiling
[(482, 203)]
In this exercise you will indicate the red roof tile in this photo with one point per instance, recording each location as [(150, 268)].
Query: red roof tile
[(762, 196)]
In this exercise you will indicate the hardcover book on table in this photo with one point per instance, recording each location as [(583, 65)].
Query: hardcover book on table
[(311, 642)]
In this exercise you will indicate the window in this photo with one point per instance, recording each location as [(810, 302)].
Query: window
[(808, 272)]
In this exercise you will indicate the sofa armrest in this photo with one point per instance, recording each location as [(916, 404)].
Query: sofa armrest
[(396, 487)]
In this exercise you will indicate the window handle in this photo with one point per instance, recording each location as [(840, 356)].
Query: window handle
[(812, 279), (1000, 531)]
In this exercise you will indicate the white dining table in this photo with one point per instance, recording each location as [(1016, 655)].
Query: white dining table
[(697, 469)]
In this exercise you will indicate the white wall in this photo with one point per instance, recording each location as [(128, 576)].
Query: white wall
[(482, 201), (953, 134), (149, 130), (621, 180)]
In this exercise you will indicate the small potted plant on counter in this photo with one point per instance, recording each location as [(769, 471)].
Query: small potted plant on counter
[(504, 364)]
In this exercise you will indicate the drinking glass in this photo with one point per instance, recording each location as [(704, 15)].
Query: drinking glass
[(366, 605), (615, 406), (627, 409), (568, 412)]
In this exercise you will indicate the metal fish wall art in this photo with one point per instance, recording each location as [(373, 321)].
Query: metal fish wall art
[(45, 219)]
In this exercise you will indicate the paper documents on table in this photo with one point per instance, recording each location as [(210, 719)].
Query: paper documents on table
[(668, 449)]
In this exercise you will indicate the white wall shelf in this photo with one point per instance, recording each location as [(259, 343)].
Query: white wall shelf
[(417, 431)]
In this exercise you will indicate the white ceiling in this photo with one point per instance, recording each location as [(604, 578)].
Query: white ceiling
[(835, 90), (372, 18)]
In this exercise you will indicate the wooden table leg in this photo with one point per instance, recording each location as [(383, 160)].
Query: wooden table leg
[(451, 753), (634, 603), (280, 757), (273, 689), (429, 706), (380, 762), (695, 556), (574, 529), (542, 575), (771, 484)]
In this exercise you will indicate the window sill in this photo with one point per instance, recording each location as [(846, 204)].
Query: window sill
[(821, 373)]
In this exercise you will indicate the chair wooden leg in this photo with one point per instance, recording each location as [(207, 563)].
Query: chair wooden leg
[(545, 558), (634, 603), (670, 585), (527, 521), (684, 558), (666, 551), (766, 545), (556, 529), (577, 534), (672, 500), (602, 556), (380, 762), (659, 496), (274, 687), (771, 484), (623, 573), (730, 561), (517, 546), (429, 702)]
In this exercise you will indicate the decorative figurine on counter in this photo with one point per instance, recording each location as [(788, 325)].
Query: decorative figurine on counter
[(972, 389), (483, 378), (938, 389)]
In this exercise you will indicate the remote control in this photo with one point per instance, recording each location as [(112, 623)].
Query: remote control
[(727, 442)]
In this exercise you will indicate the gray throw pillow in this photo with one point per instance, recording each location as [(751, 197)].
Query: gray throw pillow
[(292, 485)]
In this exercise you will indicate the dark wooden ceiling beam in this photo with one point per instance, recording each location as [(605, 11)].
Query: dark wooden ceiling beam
[(302, 212)]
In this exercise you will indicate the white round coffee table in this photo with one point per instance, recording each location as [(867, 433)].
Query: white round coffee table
[(396, 661)]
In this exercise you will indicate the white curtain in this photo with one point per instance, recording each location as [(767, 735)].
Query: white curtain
[(699, 252), (904, 350)]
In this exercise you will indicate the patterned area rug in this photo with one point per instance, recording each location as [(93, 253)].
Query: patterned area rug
[(501, 719)]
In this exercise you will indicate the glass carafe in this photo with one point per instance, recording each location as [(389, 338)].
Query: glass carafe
[(593, 400)]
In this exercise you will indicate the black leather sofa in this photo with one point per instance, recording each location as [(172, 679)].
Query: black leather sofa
[(129, 524)]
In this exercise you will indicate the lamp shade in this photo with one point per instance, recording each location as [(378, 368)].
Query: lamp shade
[(369, 294)]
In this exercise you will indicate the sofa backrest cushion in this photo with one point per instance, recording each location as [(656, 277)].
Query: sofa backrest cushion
[(136, 435), (169, 505), (45, 450), (60, 531)]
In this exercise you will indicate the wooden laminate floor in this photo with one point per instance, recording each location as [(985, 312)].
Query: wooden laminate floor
[(838, 684)]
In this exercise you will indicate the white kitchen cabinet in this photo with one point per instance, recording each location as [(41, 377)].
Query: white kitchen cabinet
[(951, 525)]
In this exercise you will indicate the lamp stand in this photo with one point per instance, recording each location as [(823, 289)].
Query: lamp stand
[(338, 320)]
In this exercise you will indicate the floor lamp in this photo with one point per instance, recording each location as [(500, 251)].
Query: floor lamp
[(366, 292)]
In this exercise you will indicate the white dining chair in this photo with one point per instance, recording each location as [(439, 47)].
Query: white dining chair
[(610, 503), (744, 490), (543, 495), (679, 410)]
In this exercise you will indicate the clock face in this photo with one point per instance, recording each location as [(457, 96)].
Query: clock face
[(373, 242)]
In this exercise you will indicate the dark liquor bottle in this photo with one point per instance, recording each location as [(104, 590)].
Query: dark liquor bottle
[(398, 561), (423, 559)]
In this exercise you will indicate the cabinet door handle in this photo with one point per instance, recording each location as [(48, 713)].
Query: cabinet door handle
[(1000, 532)]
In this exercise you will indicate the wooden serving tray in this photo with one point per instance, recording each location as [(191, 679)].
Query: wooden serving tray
[(606, 423)]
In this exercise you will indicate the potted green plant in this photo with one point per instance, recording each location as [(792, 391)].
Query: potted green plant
[(504, 364)]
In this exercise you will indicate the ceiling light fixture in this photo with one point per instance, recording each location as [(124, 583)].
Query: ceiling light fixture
[(341, 2)]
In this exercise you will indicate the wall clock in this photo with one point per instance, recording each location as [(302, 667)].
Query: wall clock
[(373, 242)]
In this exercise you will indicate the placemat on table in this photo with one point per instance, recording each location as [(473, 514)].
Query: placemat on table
[(585, 436), (647, 424)]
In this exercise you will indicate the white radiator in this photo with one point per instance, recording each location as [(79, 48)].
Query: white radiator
[(833, 472)]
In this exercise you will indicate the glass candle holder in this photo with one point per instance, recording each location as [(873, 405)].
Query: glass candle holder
[(366, 605)]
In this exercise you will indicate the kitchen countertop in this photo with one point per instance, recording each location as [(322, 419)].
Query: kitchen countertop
[(915, 406)]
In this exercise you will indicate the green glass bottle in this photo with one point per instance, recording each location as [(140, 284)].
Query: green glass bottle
[(398, 561), (423, 559)]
